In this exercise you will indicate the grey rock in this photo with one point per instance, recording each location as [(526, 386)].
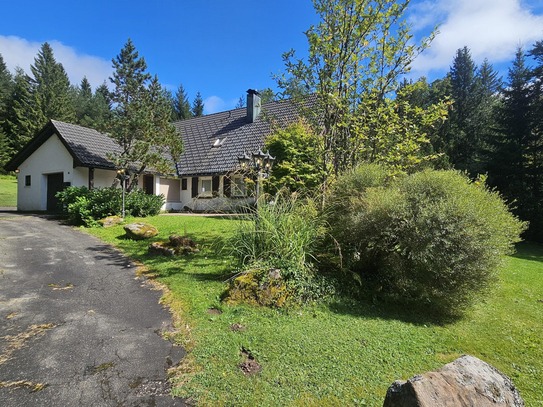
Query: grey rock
[(140, 231), (467, 381)]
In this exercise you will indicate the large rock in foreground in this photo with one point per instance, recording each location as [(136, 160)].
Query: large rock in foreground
[(466, 382), (140, 231)]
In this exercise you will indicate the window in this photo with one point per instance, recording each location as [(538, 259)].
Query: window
[(28, 180), (205, 187), (184, 184), (238, 186)]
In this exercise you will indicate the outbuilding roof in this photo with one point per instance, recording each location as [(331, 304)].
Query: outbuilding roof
[(88, 147)]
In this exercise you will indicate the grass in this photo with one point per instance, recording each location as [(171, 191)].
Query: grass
[(8, 190), (336, 354)]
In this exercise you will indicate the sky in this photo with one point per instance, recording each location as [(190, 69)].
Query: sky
[(221, 48)]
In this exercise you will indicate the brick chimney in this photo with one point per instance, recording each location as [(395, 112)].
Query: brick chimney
[(253, 105)]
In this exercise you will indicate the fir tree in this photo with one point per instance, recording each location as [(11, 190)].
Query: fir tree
[(50, 88), (198, 105), (181, 104), (22, 116)]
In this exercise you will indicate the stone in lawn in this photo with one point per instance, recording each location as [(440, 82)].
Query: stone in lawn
[(467, 381), (140, 231), (110, 221)]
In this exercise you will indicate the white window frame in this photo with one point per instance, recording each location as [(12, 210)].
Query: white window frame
[(205, 193), (237, 186)]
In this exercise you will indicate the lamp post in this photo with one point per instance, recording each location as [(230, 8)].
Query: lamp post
[(122, 175), (262, 163)]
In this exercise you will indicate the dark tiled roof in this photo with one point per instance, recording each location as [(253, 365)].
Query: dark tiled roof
[(232, 128), (88, 147), (235, 133)]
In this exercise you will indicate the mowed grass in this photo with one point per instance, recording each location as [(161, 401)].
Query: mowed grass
[(8, 190), (343, 353)]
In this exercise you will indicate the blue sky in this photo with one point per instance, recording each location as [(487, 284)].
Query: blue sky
[(223, 47)]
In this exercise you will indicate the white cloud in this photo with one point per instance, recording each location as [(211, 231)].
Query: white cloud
[(20, 52), (491, 29), (214, 104)]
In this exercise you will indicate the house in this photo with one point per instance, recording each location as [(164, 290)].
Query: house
[(208, 173)]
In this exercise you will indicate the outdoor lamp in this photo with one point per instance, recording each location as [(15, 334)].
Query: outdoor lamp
[(244, 160)]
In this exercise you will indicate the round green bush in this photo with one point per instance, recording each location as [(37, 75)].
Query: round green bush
[(431, 238)]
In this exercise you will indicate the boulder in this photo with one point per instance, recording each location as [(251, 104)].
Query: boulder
[(140, 231), (110, 221), (175, 246), (467, 381)]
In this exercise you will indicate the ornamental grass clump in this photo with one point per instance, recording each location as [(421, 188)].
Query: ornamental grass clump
[(279, 243), (433, 238)]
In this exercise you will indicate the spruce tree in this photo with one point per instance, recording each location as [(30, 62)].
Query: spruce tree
[(509, 160), (198, 105), (50, 88), (6, 83), (22, 116), (181, 104)]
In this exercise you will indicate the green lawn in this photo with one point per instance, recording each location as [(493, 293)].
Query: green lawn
[(336, 354), (8, 190)]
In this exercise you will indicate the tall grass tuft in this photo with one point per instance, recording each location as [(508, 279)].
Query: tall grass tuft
[(283, 234)]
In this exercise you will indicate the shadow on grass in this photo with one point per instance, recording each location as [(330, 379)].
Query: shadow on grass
[(416, 315), (529, 251)]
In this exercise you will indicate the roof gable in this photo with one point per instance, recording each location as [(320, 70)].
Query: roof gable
[(88, 147)]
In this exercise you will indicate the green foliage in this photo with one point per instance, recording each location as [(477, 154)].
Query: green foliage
[(432, 238), (86, 207), (140, 204), (283, 235), (198, 105), (181, 104), (296, 150), (141, 118)]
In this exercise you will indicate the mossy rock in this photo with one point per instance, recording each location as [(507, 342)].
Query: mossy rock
[(110, 221), (140, 231), (258, 287), (175, 246)]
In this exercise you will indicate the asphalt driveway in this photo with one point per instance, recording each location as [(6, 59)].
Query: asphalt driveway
[(77, 328)]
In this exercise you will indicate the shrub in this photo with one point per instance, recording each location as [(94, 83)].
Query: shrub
[(140, 204), (431, 238), (84, 206), (284, 236)]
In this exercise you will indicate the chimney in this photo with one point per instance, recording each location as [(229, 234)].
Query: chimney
[(253, 105)]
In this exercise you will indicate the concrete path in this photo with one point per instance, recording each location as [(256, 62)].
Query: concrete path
[(76, 327)]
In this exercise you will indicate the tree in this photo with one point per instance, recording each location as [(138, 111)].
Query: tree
[(50, 88), (5, 91), (198, 105), (6, 82), (181, 104), (295, 149), (22, 115), (141, 118), (511, 162), (92, 110), (357, 53), (241, 103)]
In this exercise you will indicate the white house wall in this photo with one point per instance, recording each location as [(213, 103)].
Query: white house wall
[(51, 157), (171, 189)]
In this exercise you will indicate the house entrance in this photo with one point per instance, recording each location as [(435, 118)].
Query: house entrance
[(55, 183)]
